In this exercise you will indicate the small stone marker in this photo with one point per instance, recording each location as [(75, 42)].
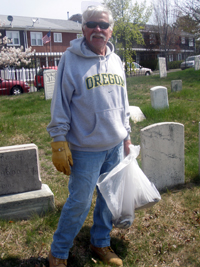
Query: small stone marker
[(21, 192), (24, 205), (49, 82), (136, 114), (159, 97), (19, 169), (162, 67), (197, 63), (162, 153), (176, 85), (199, 148)]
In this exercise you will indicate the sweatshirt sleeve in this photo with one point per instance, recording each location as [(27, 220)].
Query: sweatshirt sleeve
[(127, 112), (60, 104)]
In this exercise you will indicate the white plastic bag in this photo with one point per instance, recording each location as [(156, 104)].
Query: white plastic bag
[(126, 188)]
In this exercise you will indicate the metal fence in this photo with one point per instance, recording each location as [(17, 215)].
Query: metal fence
[(27, 79), (23, 80)]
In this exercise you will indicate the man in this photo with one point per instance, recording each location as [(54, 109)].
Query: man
[(90, 114)]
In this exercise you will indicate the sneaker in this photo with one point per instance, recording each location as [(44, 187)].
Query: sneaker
[(107, 255), (55, 262)]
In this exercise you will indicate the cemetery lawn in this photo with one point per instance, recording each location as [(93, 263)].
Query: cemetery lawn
[(167, 234)]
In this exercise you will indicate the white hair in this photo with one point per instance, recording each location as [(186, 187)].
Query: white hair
[(94, 11)]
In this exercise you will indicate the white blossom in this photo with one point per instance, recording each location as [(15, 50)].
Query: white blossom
[(13, 56)]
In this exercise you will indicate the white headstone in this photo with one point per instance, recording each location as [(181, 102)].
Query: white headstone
[(159, 97), (136, 114), (162, 153), (199, 148), (24, 205), (162, 67), (176, 85), (197, 63), (19, 169), (49, 77)]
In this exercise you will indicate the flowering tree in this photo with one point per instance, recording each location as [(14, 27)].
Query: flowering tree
[(11, 56)]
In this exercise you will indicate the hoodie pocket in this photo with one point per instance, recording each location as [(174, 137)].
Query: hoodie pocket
[(108, 129)]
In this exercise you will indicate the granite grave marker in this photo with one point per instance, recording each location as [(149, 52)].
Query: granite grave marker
[(162, 153), (49, 82)]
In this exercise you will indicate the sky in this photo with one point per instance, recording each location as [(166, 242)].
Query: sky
[(55, 9)]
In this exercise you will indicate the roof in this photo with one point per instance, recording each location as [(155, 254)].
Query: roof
[(38, 24)]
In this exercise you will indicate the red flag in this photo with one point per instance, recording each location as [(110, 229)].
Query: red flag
[(47, 38)]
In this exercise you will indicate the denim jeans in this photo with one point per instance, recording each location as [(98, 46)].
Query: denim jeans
[(86, 169)]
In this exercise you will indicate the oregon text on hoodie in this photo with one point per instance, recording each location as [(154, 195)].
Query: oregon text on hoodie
[(89, 105)]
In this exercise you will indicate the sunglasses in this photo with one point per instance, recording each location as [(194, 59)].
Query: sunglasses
[(93, 24)]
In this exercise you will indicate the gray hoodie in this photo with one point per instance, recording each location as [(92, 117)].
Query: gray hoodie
[(89, 106)]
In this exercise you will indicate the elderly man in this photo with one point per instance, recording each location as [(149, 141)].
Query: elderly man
[(90, 131)]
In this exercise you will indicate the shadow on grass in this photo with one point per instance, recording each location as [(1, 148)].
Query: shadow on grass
[(79, 255)]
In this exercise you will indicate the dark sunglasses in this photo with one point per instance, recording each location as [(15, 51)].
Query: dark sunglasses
[(102, 25)]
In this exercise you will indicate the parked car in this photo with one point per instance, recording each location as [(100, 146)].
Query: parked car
[(38, 81), (137, 70), (13, 87), (189, 62)]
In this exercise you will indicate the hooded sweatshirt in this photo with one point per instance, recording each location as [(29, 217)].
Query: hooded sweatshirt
[(89, 106)]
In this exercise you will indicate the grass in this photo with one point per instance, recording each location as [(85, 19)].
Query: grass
[(167, 234)]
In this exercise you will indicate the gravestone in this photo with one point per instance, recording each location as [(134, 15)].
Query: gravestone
[(49, 77), (22, 193), (19, 169), (162, 67), (197, 63), (24, 205), (136, 114), (162, 153), (159, 97), (199, 148), (176, 85)]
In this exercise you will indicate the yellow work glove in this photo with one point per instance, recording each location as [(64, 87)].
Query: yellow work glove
[(62, 157)]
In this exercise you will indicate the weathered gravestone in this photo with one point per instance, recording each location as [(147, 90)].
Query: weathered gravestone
[(176, 85), (159, 97), (21, 192), (136, 114), (162, 67), (49, 78), (19, 169), (162, 153), (24, 205), (199, 148), (197, 63)]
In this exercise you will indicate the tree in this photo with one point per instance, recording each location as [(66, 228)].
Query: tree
[(129, 20), (11, 56), (189, 8), (164, 19)]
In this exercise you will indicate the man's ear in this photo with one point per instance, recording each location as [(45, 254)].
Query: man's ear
[(83, 31), (110, 34)]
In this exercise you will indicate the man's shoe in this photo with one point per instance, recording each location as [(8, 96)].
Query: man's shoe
[(55, 262), (107, 255)]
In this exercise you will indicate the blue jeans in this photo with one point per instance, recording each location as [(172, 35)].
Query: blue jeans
[(86, 169)]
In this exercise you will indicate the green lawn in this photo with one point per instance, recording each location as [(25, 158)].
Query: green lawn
[(164, 235)]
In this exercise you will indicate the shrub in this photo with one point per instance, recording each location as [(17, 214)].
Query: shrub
[(151, 64), (174, 64)]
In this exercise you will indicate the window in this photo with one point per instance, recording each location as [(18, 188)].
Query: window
[(79, 35), (179, 56), (152, 38), (170, 58), (36, 38), (183, 40), (190, 41), (13, 36), (57, 37)]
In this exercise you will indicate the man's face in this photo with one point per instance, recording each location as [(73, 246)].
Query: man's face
[(97, 38)]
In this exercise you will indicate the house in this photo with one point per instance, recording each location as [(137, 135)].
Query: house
[(27, 31), (175, 45)]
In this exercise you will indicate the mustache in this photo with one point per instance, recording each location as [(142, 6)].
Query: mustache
[(99, 35)]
